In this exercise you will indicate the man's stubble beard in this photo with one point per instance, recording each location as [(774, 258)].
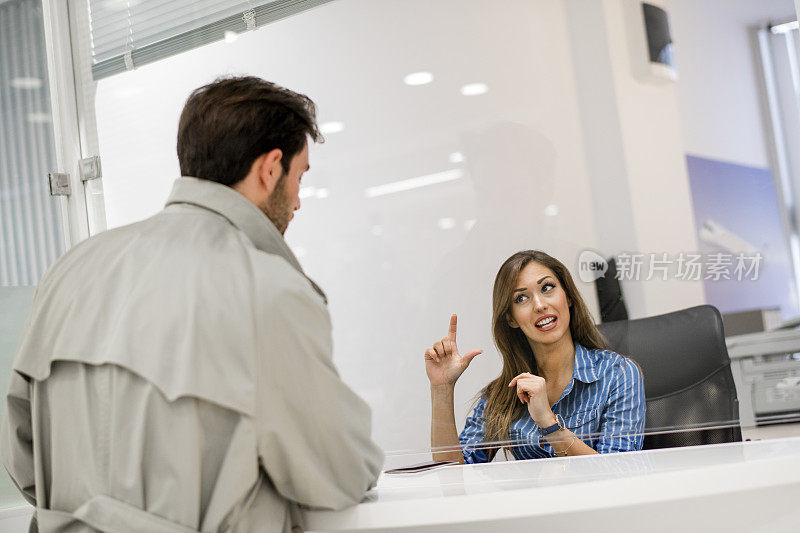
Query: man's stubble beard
[(278, 206)]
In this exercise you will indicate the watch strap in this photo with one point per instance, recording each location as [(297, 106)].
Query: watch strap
[(555, 427)]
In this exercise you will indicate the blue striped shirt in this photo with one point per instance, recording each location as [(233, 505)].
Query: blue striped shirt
[(603, 405)]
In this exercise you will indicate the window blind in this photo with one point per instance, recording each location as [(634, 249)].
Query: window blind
[(130, 33)]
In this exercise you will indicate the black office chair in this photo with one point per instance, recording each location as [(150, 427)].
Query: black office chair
[(687, 375)]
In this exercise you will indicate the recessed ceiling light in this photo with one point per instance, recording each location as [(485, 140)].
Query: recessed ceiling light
[(446, 223), (418, 78), (474, 89), (312, 192), (551, 210), (456, 157), (26, 83), (331, 127), (231, 36)]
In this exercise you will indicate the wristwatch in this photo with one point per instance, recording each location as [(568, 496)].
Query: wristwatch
[(559, 425)]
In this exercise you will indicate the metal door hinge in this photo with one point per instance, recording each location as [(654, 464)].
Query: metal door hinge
[(90, 168), (59, 184)]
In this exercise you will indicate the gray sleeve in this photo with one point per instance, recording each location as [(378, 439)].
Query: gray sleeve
[(314, 432), (16, 437)]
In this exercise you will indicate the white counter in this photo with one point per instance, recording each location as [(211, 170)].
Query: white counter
[(749, 486)]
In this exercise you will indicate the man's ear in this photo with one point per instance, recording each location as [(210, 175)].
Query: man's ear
[(511, 322), (270, 169)]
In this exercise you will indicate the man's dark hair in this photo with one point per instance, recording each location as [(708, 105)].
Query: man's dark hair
[(228, 124)]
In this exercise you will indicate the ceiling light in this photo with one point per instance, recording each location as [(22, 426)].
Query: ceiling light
[(322, 193), (231, 36), (446, 223), (418, 78), (306, 192), (26, 83), (456, 157), (474, 89), (551, 210), (413, 183), (331, 127)]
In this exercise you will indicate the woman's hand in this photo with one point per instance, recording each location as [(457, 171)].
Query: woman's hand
[(533, 391), (443, 363)]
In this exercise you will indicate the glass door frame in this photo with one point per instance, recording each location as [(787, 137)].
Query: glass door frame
[(73, 126)]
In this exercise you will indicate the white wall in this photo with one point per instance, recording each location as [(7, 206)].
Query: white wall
[(718, 93), (634, 144)]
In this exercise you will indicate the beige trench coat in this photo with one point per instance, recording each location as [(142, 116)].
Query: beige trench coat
[(176, 375)]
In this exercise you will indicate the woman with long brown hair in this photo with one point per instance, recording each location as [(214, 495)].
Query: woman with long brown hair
[(561, 390)]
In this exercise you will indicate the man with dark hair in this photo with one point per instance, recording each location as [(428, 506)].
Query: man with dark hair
[(176, 374)]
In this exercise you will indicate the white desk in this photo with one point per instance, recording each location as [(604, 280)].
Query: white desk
[(748, 486)]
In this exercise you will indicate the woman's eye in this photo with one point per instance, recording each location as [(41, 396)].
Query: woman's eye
[(547, 287), (520, 298)]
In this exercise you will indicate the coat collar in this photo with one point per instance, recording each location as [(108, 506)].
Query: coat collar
[(240, 212), (585, 365)]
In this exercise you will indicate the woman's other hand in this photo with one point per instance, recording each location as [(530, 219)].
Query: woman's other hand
[(443, 363), (533, 391)]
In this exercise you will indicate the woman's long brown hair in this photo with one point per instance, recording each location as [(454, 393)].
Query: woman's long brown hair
[(502, 405)]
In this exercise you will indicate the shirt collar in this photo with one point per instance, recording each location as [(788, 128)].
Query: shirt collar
[(240, 212), (585, 365)]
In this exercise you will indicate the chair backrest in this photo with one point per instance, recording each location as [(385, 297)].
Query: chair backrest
[(687, 375)]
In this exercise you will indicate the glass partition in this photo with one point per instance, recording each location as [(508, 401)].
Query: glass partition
[(31, 232), (15, 302), (459, 133)]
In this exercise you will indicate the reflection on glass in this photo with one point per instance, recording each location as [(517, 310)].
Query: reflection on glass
[(31, 236)]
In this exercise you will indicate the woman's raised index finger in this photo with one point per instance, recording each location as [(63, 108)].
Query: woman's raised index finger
[(451, 332), (517, 378)]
